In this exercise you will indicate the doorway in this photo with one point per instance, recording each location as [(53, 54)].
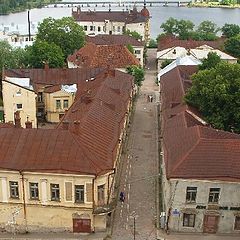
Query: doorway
[(210, 223)]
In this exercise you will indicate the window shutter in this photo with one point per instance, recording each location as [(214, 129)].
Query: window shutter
[(89, 192), (68, 191)]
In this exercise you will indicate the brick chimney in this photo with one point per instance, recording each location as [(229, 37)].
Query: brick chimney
[(17, 119), (76, 126), (65, 125), (28, 124)]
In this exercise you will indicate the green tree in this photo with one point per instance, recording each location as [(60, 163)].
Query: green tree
[(207, 30), (64, 32), (184, 29), (130, 48), (216, 93), (232, 46), (169, 27), (152, 43), (42, 52), (230, 30), (165, 63), (210, 62), (10, 57), (133, 34), (138, 74)]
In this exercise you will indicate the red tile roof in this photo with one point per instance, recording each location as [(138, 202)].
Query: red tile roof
[(106, 39), (192, 149), (114, 56), (85, 148), (171, 41), (54, 76)]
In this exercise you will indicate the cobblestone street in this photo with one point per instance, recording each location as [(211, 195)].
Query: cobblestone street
[(140, 169)]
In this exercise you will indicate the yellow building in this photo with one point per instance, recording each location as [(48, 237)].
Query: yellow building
[(57, 100), (18, 95), (63, 179)]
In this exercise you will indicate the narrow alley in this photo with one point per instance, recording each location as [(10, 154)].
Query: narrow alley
[(135, 218)]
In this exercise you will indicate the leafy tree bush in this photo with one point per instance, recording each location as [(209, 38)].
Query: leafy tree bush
[(232, 46), (230, 30), (215, 92), (133, 34), (210, 62), (42, 52), (165, 63), (130, 48), (138, 74), (64, 32), (152, 43)]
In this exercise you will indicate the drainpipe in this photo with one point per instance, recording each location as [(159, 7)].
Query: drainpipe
[(109, 189), (24, 201)]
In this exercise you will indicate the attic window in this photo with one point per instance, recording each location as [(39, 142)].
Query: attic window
[(174, 51), (19, 93)]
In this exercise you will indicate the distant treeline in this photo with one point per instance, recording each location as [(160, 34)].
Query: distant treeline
[(9, 6)]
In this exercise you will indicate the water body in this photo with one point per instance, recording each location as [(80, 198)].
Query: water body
[(159, 15)]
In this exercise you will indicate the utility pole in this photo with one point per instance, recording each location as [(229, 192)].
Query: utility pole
[(29, 26), (134, 228)]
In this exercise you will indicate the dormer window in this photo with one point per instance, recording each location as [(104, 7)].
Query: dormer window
[(19, 93)]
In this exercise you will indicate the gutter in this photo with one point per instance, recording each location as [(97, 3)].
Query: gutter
[(24, 202)]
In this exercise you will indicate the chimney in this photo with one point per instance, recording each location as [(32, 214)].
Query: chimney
[(28, 124), (76, 124), (17, 119), (65, 125), (46, 66)]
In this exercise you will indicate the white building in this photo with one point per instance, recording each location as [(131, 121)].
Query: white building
[(199, 53), (200, 165), (17, 35), (114, 22)]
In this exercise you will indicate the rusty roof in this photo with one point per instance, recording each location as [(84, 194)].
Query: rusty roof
[(88, 145), (192, 148), (54, 76), (170, 41), (99, 56), (114, 39)]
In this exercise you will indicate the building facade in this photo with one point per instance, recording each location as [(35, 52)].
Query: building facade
[(200, 164), (66, 175), (114, 22), (21, 99)]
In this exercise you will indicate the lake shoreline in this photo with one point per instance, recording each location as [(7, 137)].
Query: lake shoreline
[(201, 5)]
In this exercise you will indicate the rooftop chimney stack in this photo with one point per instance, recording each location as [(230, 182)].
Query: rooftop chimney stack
[(28, 124), (76, 124), (65, 125), (17, 119)]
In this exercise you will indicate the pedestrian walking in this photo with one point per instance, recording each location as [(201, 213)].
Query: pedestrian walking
[(122, 196)]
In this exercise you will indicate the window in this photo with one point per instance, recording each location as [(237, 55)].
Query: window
[(104, 28), (214, 195), (92, 28), (26, 39), (79, 193), (118, 28), (40, 97), (99, 29), (191, 194), (85, 28), (19, 92), (58, 104), (55, 192), (65, 103), (137, 51), (237, 223), (14, 193), (101, 193), (114, 29), (188, 220), (33, 189), (19, 106)]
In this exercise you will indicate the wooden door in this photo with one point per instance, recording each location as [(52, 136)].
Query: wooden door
[(81, 225), (210, 223)]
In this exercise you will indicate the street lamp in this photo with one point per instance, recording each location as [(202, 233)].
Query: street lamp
[(134, 216)]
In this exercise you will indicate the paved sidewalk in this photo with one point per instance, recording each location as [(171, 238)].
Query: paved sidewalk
[(140, 169), (53, 236)]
